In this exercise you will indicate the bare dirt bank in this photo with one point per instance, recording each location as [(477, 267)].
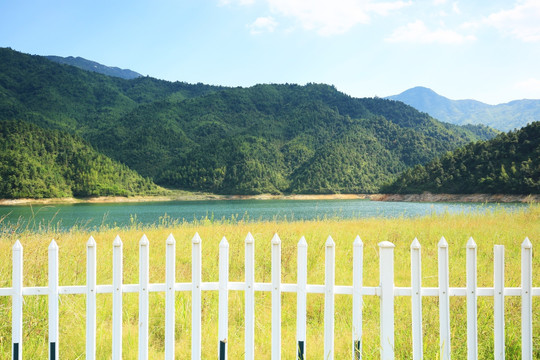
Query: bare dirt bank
[(428, 197), (425, 197)]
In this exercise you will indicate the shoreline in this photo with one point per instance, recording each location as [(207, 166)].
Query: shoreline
[(425, 197)]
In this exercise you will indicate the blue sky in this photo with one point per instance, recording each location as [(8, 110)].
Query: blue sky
[(484, 50)]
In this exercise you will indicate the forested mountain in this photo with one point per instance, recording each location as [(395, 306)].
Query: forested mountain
[(504, 117), (93, 66), (507, 164), (262, 139), (40, 163)]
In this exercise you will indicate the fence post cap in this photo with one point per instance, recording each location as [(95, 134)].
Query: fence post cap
[(117, 242), (224, 243), (196, 238), (526, 244), (249, 238), (17, 246), (302, 242), (53, 245), (276, 240), (415, 245), (144, 241), (471, 244), (386, 244), (170, 240), (442, 243), (91, 242), (358, 241)]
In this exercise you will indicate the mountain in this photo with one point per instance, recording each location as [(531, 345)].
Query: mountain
[(41, 163), (89, 65), (264, 139), (507, 164), (504, 117)]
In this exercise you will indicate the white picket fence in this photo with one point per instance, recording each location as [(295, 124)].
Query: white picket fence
[(386, 291)]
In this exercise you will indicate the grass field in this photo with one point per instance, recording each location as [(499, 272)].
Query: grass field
[(497, 227)]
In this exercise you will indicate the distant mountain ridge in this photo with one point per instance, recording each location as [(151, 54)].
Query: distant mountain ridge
[(93, 66), (504, 117)]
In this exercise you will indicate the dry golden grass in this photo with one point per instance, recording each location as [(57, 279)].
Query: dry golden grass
[(498, 227)]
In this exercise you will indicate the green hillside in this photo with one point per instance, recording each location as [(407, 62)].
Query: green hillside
[(277, 138), (508, 164), (262, 139), (39, 163)]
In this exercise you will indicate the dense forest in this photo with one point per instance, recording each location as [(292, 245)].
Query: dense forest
[(263, 139), (39, 163), (507, 164)]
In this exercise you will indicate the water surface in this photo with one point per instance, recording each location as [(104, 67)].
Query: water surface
[(91, 216)]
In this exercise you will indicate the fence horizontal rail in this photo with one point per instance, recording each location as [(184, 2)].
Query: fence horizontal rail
[(386, 291)]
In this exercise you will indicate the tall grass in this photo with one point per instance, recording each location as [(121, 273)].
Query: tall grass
[(488, 229)]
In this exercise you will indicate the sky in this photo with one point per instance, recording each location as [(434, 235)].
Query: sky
[(483, 50)]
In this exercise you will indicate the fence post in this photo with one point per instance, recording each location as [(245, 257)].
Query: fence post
[(223, 314), (444, 300), (472, 312), (358, 265), (416, 299), (144, 246), (329, 306), (301, 297), (250, 297), (276, 297), (196, 297), (117, 299), (498, 302), (91, 248), (386, 273), (53, 301), (17, 301), (170, 279), (526, 300)]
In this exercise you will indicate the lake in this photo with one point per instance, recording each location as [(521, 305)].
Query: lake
[(91, 216)]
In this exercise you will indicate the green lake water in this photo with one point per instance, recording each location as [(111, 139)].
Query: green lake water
[(91, 216)]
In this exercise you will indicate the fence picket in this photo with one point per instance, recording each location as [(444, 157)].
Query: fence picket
[(144, 280), (416, 299), (118, 268), (526, 300), (223, 314), (301, 299), (472, 317), (329, 303), (498, 301), (170, 279), (250, 297), (276, 297), (17, 302), (53, 301), (196, 297), (358, 266), (386, 274), (91, 249), (444, 300)]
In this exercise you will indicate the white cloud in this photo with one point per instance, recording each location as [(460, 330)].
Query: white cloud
[(417, 32), (263, 24), (328, 17), (522, 22)]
